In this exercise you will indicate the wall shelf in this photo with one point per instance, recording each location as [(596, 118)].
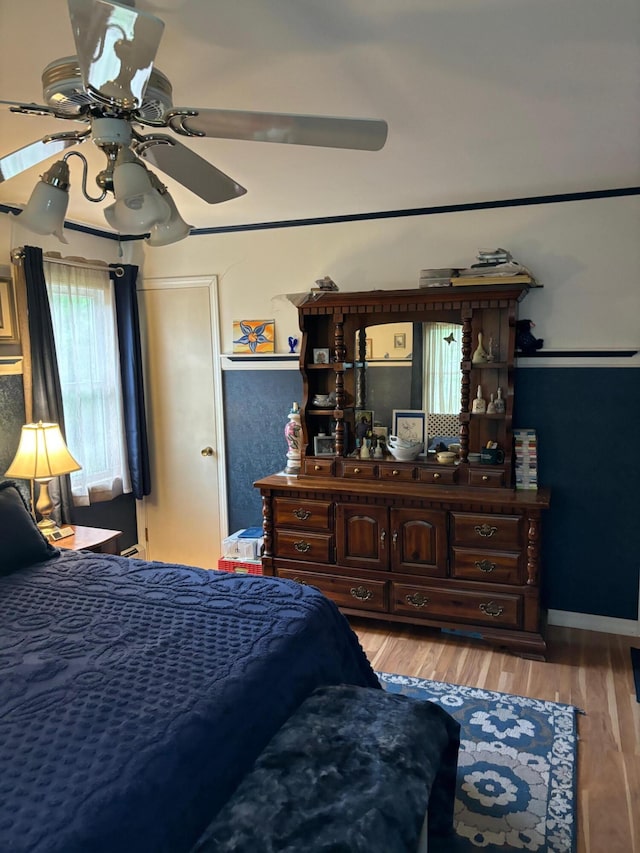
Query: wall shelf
[(579, 353), (261, 356)]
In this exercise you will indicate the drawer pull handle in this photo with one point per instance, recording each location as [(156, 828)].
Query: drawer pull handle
[(383, 536), (492, 609), (394, 538), (301, 546), (485, 477), (436, 476), (485, 566), (356, 470), (361, 593), (395, 472), (485, 530), (303, 514), (300, 581), (317, 467), (417, 599)]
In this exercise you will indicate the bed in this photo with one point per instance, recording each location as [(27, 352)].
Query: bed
[(134, 696)]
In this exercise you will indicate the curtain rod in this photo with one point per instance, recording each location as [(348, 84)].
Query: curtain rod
[(18, 254)]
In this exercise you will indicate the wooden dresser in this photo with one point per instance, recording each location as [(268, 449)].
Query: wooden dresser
[(452, 546)]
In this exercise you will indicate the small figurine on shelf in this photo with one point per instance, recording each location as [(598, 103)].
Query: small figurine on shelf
[(498, 403), (480, 355), (479, 406), (293, 343), (490, 351), (526, 343), (491, 406)]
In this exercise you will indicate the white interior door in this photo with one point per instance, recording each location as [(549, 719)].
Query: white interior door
[(185, 516)]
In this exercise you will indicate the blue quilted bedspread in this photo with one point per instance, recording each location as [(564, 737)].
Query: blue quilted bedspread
[(134, 696)]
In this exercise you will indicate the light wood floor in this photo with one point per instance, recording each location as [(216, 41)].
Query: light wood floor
[(587, 669)]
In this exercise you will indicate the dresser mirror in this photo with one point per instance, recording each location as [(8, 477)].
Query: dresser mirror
[(409, 366)]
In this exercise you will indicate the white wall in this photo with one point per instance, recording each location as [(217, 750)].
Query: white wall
[(585, 253)]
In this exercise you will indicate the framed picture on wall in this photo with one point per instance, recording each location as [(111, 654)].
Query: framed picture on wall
[(253, 336), (410, 424), (364, 423), (321, 356), (400, 340), (323, 445), (8, 319)]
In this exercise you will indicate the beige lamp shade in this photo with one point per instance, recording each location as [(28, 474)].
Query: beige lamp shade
[(42, 454)]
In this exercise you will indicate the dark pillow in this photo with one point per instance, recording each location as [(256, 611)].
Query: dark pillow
[(21, 543)]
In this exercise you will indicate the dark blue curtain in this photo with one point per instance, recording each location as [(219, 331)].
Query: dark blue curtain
[(131, 374), (47, 392)]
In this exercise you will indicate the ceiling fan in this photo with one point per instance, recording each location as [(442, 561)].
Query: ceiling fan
[(113, 90)]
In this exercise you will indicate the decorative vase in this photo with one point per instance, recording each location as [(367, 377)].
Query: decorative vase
[(480, 355), (293, 436), (293, 343)]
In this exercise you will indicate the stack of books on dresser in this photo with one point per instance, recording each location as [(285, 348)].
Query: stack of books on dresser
[(493, 266), (526, 447)]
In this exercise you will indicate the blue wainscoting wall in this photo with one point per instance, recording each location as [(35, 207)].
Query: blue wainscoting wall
[(587, 423), (256, 405)]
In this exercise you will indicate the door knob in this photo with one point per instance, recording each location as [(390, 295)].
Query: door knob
[(207, 451)]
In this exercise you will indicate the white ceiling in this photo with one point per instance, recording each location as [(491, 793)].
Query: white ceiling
[(485, 99)]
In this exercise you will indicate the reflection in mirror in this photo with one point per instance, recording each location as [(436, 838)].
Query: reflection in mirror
[(412, 366)]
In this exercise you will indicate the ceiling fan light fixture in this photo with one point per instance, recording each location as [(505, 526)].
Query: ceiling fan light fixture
[(149, 210), (138, 205), (46, 209), (175, 228)]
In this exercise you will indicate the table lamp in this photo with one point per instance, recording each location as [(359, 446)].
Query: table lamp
[(42, 455)]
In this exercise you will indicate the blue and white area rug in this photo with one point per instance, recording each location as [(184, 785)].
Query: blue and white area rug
[(516, 767)]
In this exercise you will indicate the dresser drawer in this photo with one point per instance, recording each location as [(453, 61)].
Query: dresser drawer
[(307, 514), (300, 545), (399, 473), (457, 605), (359, 470), (487, 476), (444, 475), (492, 566), (353, 593), (498, 532), (315, 466)]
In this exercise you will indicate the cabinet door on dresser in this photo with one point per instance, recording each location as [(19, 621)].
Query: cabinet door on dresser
[(419, 541), (362, 539)]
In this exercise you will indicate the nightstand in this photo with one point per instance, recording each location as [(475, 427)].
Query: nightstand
[(94, 539)]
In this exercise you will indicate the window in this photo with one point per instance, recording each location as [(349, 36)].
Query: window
[(442, 358), (84, 326)]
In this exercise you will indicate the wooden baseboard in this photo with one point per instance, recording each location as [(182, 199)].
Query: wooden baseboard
[(590, 622)]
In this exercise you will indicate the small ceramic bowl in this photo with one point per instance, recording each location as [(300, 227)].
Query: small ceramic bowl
[(405, 454), (473, 457), (323, 400), (446, 457)]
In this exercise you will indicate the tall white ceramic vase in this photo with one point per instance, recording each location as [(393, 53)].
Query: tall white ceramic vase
[(293, 436)]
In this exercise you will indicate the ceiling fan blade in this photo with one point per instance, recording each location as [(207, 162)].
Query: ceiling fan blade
[(187, 167), (116, 47), (362, 134), (34, 153), (33, 109)]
